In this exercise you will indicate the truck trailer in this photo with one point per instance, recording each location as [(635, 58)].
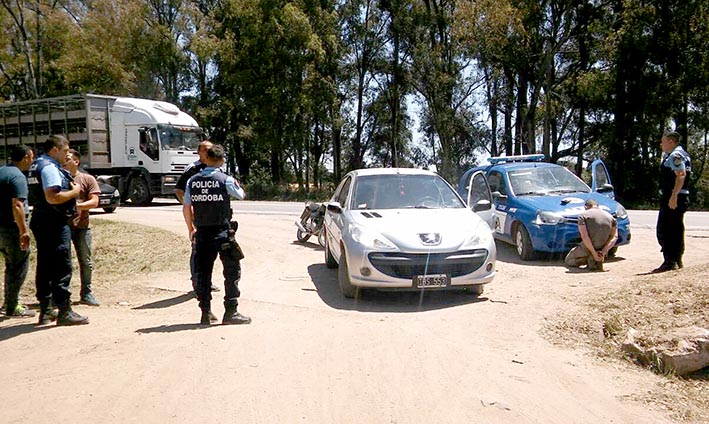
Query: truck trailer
[(140, 146)]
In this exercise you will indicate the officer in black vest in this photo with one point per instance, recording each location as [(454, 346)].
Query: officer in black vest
[(675, 170), (207, 212), (53, 193)]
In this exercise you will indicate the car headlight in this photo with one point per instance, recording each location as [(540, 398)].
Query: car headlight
[(548, 218), (621, 213), (481, 236), (116, 193), (370, 239)]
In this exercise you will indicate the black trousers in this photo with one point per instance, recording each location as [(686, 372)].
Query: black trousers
[(670, 228), (53, 275), (211, 242)]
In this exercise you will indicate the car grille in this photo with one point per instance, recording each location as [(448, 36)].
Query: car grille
[(408, 265), (178, 168)]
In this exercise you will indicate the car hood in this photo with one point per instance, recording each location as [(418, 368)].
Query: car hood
[(407, 228), (569, 204)]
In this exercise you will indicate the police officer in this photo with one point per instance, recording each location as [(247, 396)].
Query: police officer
[(54, 193), (207, 212), (180, 186), (675, 171)]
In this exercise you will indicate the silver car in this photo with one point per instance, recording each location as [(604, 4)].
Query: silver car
[(405, 229)]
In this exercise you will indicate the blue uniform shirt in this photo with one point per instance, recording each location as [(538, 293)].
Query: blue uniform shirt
[(233, 188)]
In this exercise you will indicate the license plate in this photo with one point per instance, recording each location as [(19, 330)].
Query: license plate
[(427, 281), (104, 201)]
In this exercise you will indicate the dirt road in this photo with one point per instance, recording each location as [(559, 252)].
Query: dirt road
[(312, 356)]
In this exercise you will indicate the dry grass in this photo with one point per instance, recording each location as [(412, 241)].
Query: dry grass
[(654, 305), (121, 252)]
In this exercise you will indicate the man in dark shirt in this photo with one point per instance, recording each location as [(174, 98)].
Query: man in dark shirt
[(14, 231)]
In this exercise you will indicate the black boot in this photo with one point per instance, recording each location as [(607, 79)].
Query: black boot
[(69, 317), (47, 314), (233, 317), (207, 317)]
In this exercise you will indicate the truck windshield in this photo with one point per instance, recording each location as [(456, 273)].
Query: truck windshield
[(179, 138)]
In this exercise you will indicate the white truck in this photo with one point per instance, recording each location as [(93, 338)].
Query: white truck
[(140, 146)]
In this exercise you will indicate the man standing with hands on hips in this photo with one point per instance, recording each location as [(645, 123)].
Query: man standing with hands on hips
[(675, 170), (207, 212), (54, 193)]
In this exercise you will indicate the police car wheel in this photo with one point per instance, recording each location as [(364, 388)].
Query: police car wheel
[(523, 244)]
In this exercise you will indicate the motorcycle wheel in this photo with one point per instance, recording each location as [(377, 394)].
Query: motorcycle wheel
[(321, 238), (302, 235)]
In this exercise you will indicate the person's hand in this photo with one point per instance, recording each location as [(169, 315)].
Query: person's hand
[(25, 241), (598, 256), (75, 189), (673, 202), (192, 234)]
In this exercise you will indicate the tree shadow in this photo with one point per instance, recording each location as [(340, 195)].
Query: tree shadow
[(172, 328), (166, 303), (372, 300)]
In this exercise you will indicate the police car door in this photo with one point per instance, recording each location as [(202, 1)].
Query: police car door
[(479, 197), (333, 217), (601, 180)]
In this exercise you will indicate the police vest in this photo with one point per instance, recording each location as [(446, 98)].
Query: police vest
[(667, 175), (60, 212), (210, 200)]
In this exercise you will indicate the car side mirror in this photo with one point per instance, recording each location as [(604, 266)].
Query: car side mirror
[(605, 188), (334, 207), (498, 196), (482, 205)]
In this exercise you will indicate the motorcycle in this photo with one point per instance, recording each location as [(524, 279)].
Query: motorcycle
[(311, 222)]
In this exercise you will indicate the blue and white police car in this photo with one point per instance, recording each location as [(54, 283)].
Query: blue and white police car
[(536, 204)]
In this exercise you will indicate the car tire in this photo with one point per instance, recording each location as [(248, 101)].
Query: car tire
[(330, 261), (343, 278), (523, 243), (139, 191), (109, 209)]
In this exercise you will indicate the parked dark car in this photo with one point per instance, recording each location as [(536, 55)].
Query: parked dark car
[(109, 199)]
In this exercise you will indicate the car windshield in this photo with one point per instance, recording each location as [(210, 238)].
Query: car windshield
[(179, 138), (541, 181), (403, 191)]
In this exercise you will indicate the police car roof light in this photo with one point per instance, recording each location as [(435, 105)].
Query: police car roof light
[(518, 158)]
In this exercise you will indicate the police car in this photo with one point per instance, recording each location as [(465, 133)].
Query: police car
[(536, 204)]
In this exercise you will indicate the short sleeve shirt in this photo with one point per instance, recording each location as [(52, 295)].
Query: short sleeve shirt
[(599, 224), (87, 185), (13, 185)]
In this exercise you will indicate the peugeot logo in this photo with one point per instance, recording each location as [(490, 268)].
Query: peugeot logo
[(430, 239)]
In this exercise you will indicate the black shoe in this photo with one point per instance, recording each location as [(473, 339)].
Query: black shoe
[(46, 317), (233, 317), (680, 265), (666, 266), (89, 299), (207, 318), (215, 288), (70, 317)]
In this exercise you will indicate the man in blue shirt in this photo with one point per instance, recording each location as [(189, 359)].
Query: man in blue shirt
[(14, 232), (207, 212), (54, 194), (675, 170)]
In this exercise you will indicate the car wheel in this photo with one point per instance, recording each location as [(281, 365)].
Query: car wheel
[(109, 209), (330, 261), (475, 290), (523, 244), (139, 191), (343, 278)]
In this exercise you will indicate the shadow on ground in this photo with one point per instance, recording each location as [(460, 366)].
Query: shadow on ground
[(325, 281), (166, 303)]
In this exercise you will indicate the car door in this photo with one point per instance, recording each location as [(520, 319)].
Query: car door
[(479, 197), (601, 179), (334, 222)]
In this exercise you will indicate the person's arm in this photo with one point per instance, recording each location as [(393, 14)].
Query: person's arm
[(680, 176), (89, 203), (180, 194), (18, 211), (586, 240), (187, 214), (235, 189), (611, 241), (55, 196)]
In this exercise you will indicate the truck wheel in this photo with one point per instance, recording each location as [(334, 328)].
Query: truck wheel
[(139, 192)]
